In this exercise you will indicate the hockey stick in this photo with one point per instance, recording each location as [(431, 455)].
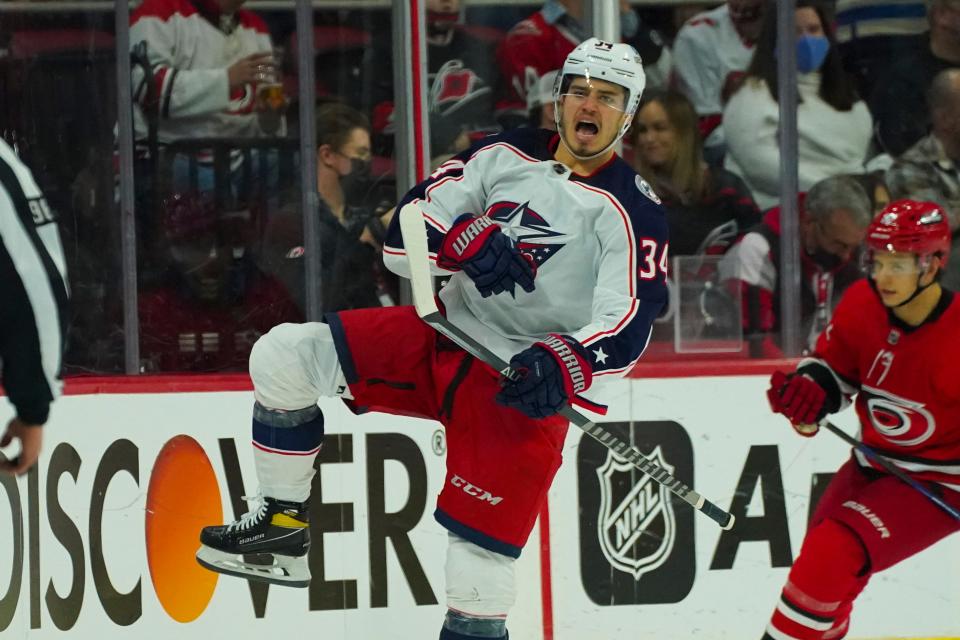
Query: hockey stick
[(889, 467), (421, 281)]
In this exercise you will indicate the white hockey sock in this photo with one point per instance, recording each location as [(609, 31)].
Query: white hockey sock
[(285, 445), (292, 366)]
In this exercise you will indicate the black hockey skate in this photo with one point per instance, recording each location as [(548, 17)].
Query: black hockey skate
[(268, 544)]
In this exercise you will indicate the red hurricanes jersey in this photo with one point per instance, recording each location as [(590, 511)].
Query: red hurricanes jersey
[(907, 381)]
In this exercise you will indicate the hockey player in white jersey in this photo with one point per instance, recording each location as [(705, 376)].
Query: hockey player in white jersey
[(557, 253)]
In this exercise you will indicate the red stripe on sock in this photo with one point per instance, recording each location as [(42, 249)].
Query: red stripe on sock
[(281, 452)]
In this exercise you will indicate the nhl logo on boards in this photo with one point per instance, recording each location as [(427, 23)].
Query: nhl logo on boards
[(637, 541), (636, 530)]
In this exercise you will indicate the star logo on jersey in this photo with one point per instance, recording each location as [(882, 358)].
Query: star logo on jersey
[(600, 356), (528, 228)]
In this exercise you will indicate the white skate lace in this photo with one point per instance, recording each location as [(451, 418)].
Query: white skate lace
[(258, 508)]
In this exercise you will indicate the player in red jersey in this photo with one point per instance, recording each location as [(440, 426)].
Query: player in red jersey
[(892, 343)]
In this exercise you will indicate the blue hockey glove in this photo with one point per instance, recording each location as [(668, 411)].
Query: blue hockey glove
[(551, 372), (488, 256)]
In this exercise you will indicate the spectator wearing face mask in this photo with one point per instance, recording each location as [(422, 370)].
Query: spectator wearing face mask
[(833, 223), (834, 125), (350, 231)]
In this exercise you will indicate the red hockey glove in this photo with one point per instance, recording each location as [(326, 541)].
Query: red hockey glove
[(800, 399), (488, 256), (552, 372)]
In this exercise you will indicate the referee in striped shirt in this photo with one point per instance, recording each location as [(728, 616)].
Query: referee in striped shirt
[(33, 308)]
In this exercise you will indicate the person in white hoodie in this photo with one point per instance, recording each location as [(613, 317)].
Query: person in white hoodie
[(834, 125)]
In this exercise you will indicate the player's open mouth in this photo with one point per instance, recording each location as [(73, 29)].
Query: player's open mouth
[(586, 131)]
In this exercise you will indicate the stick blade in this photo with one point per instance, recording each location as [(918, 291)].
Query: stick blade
[(418, 258)]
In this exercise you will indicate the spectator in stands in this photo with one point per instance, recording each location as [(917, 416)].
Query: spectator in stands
[(680, 14), (462, 76), (350, 234), (541, 111), (873, 34), (930, 169), (834, 126), (833, 221), (541, 43), (213, 303), (710, 52), (874, 184), (707, 207), (899, 100), (209, 65)]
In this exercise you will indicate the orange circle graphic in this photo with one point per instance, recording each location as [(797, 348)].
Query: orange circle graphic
[(182, 498)]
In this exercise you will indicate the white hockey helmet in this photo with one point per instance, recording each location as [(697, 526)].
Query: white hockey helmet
[(614, 62)]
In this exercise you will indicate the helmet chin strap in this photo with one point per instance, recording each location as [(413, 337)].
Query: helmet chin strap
[(924, 266), (916, 292)]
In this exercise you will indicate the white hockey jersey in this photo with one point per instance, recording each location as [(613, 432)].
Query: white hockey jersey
[(190, 46), (600, 243), (707, 50)]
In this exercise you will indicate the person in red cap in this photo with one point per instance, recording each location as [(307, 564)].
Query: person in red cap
[(892, 344)]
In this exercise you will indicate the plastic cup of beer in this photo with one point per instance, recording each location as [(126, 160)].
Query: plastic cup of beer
[(271, 95)]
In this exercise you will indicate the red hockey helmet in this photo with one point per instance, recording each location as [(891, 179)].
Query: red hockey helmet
[(911, 226)]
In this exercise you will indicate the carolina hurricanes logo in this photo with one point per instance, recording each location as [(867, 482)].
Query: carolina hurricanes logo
[(525, 225), (901, 421), (454, 86)]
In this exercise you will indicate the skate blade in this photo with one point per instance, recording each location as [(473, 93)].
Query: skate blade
[(287, 571)]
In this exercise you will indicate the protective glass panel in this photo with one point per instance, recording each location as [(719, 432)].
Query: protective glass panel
[(58, 110), (216, 160), (706, 312), (355, 180)]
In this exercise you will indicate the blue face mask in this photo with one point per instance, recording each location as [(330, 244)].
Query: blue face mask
[(811, 52)]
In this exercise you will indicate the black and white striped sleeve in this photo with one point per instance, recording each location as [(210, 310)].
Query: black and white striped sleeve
[(33, 293)]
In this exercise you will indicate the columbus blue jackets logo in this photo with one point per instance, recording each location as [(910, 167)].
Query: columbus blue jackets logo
[(530, 230), (631, 512)]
